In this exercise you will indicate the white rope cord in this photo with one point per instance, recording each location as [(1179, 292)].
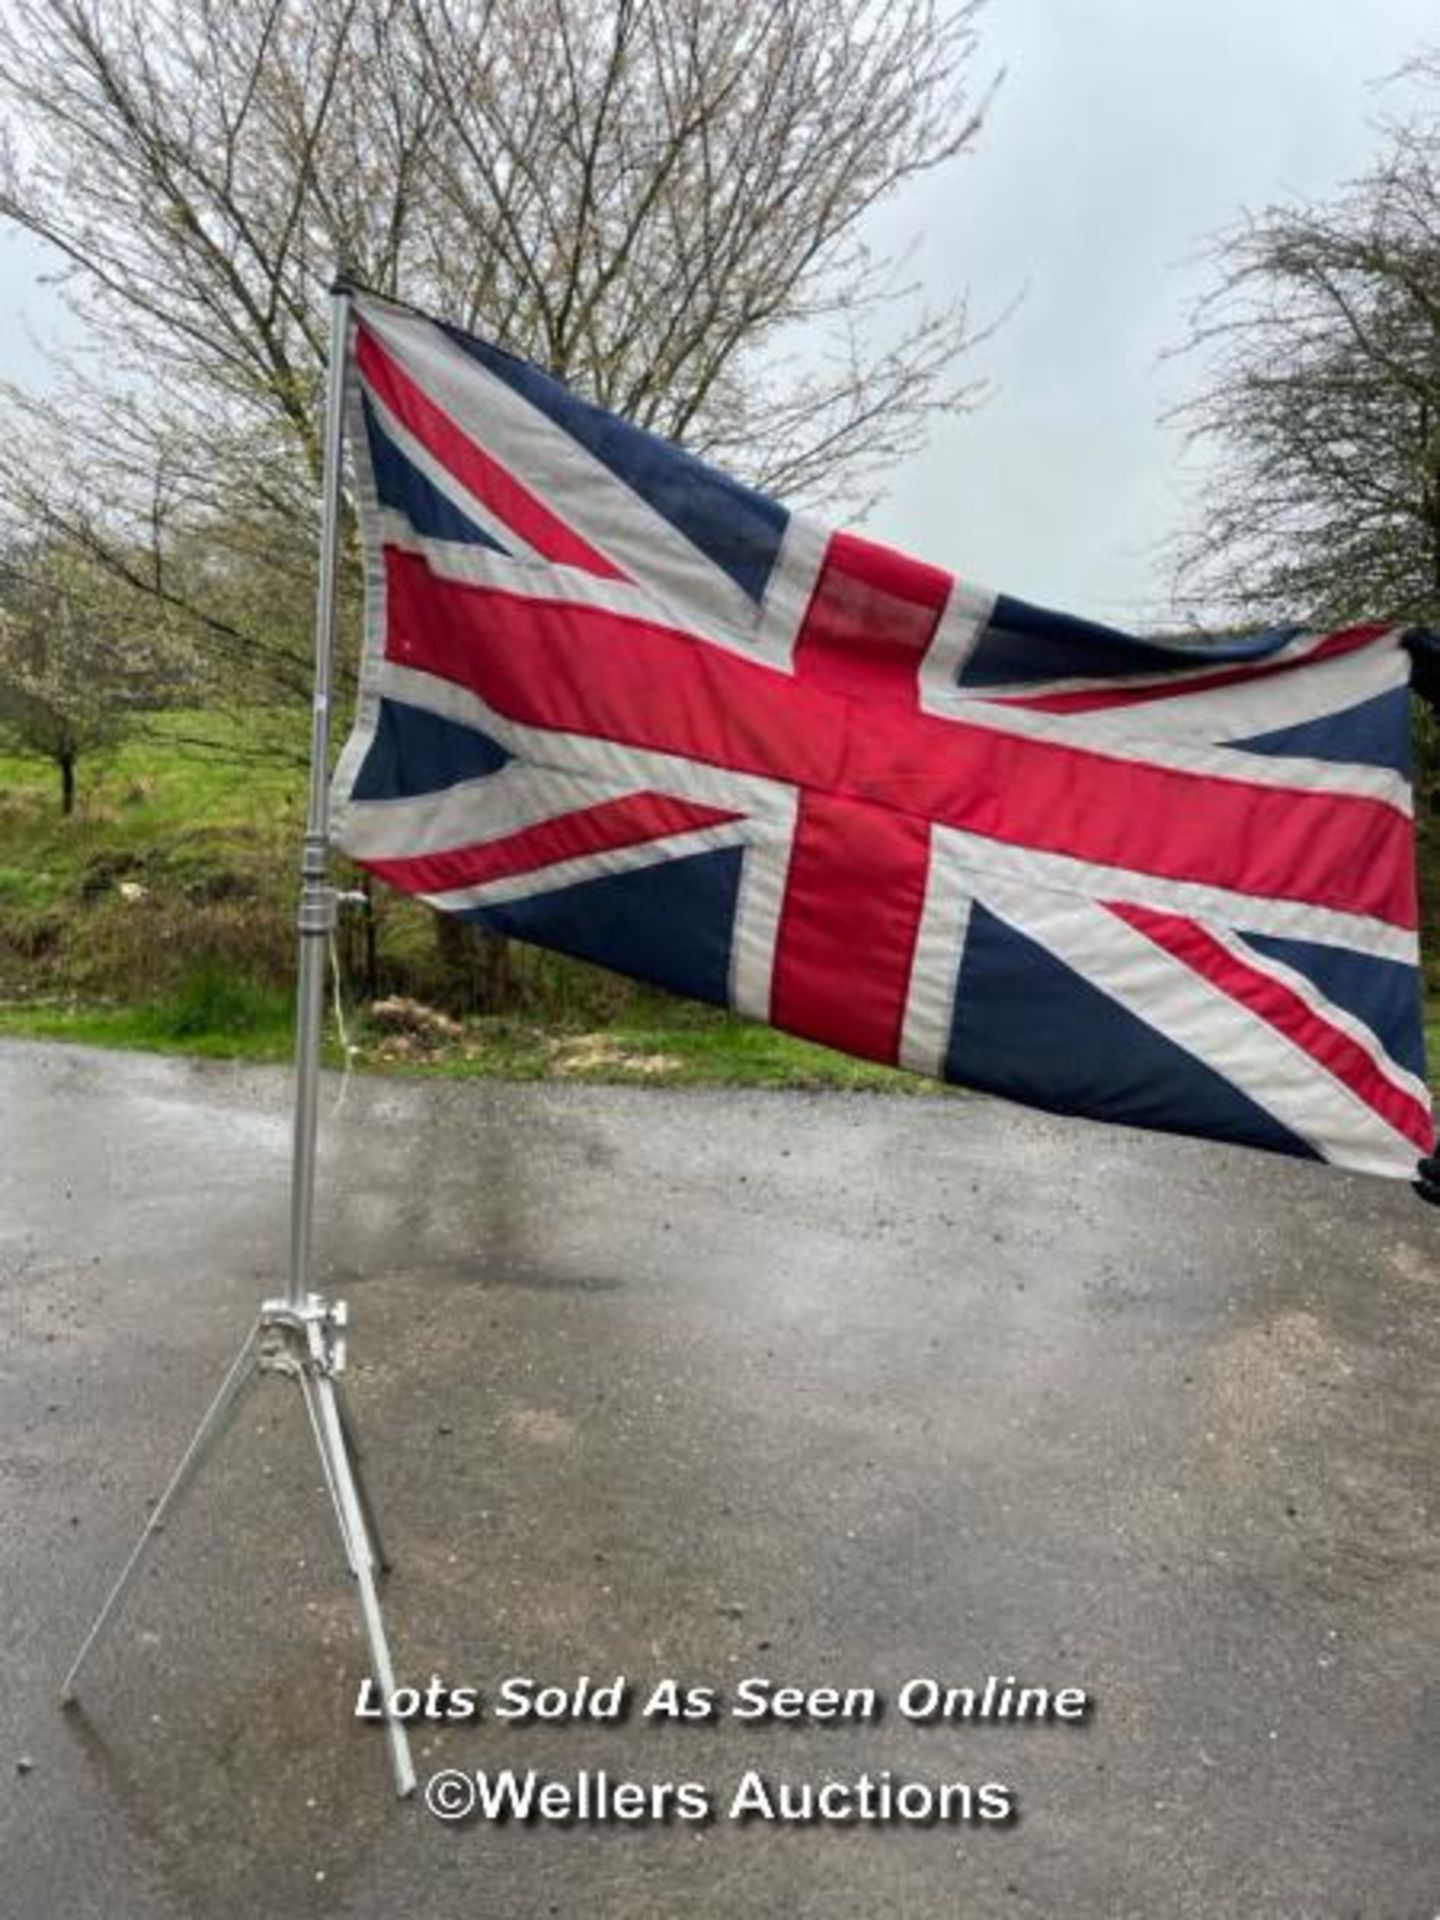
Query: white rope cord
[(348, 1047)]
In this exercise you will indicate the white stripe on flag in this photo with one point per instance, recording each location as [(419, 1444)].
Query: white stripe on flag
[(935, 968), (582, 490), (471, 812), (623, 767), (394, 528), (758, 907), (1260, 1062), (1187, 756), (960, 626), (1058, 873), (589, 866)]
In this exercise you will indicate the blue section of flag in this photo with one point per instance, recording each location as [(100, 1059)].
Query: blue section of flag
[(737, 529), (401, 485), (413, 752), (1031, 1028), (612, 922), (1022, 643), (1382, 994), (1374, 733)]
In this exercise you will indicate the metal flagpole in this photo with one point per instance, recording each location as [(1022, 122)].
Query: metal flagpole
[(317, 897), (302, 1336)]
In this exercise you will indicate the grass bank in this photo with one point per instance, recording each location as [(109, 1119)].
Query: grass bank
[(694, 1047), (160, 916)]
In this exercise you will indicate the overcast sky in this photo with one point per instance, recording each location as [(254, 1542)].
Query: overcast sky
[(1125, 132)]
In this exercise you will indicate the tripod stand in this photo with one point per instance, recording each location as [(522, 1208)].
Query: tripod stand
[(301, 1337)]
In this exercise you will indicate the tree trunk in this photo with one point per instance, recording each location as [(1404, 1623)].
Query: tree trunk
[(66, 764), (474, 965), (495, 968), (371, 935)]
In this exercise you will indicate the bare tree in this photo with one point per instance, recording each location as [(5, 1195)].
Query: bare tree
[(72, 675), (660, 200), (661, 187), (197, 168), (1320, 408)]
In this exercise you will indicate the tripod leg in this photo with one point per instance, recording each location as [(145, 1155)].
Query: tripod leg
[(367, 1508), (241, 1375), (309, 1387), (361, 1556)]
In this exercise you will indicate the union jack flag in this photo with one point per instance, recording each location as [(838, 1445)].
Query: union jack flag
[(616, 703)]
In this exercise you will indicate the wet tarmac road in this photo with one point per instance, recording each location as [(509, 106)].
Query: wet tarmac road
[(833, 1390)]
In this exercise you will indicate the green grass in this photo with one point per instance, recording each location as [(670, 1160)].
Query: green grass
[(157, 1028), (172, 860), (153, 916), (677, 1046), (214, 1012), (224, 1020), (155, 786), (730, 1050)]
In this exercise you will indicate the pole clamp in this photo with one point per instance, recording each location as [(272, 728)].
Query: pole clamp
[(308, 1339), (317, 912)]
